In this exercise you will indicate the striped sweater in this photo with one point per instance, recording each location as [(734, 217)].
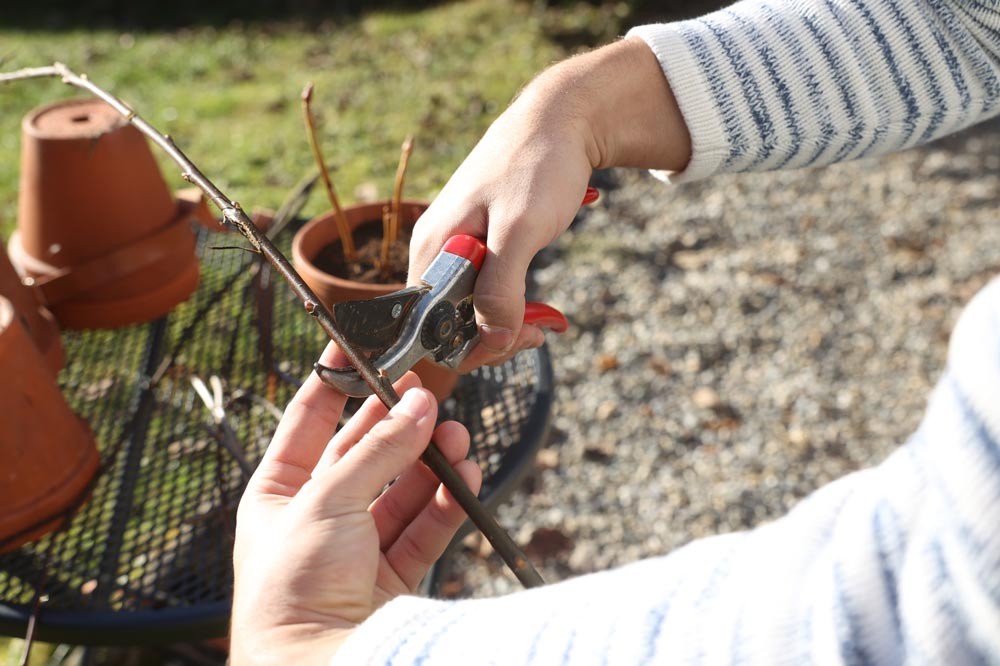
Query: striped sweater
[(774, 84), (898, 563)]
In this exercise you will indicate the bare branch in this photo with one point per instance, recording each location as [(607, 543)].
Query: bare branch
[(30, 73)]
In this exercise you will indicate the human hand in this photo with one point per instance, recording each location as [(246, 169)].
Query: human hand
[(314, 554), (522, 184), (518, 190)]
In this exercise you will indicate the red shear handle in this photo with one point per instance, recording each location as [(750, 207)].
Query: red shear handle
[(545, 316), (469, 247), (538, 314), (474, 250)]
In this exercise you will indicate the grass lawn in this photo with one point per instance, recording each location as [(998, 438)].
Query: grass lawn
[(228, 92), (230, 95)]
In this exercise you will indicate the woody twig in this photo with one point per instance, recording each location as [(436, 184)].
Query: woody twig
[(233, 214)]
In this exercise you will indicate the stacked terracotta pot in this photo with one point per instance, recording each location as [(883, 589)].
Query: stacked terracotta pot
[(37, 321), (49, 456), (100, 243), (98, 230)]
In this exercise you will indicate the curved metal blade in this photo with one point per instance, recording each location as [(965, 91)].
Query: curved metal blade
[(346, 380), (374, 324)]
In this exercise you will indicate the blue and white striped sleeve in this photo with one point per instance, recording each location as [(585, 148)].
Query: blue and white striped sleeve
[(896, 564), (775, 84)]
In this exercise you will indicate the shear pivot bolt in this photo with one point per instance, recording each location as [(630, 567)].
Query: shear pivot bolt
[(444, 329), (440, 327)]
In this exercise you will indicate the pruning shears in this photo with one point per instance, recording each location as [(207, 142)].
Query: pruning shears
[(435, 320)]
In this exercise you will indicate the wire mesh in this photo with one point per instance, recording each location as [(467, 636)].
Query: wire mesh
[(155, 539)]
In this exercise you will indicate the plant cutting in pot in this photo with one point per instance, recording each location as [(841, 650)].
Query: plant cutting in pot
[(362, 251)]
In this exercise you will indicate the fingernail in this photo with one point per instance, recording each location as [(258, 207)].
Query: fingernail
[(414, 403), (495, 338)]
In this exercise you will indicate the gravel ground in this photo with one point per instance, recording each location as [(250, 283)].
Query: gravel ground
[(737, 343)]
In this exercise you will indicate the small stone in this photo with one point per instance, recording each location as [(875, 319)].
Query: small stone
[(660, 366), (606, 362), (797, 436), (692, 362), (478, 545), (706, 398), (583, 559), (815, 338), (692, 260), (605, 410), (547, 458), (471, 541), (724, 423)]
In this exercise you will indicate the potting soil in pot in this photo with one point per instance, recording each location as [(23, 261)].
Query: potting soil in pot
[(368, 245)]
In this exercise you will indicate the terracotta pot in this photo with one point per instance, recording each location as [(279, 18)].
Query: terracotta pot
[(98, 229), (319, 232), (49, 453), (36, 320)]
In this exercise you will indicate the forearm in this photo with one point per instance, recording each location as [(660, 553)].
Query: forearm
[(773, 85)]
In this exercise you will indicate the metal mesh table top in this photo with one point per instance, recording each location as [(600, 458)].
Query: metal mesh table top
[(148, 557)]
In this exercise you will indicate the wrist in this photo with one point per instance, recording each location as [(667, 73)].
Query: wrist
[(553, 114), (289, 645), (617, 103)]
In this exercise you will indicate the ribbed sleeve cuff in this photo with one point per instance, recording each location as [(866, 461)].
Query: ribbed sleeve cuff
[(709, 146), (393, 631)]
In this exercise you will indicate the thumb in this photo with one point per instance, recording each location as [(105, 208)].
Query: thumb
[(499, 292)]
